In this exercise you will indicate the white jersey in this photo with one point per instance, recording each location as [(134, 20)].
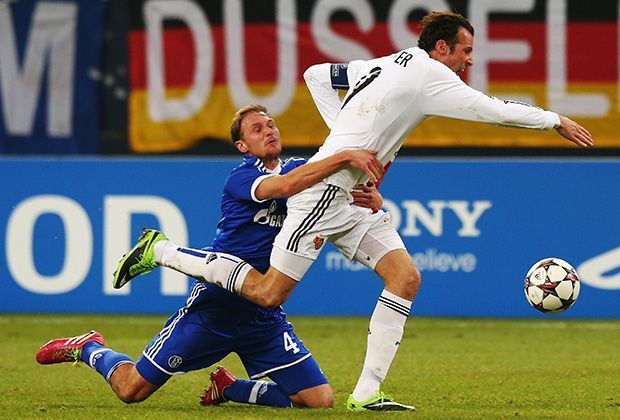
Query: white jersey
[(390, 96)]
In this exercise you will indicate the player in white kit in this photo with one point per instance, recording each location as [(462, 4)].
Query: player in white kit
[(388, 97)]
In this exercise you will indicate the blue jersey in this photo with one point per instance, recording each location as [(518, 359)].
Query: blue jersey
[(248, 226)]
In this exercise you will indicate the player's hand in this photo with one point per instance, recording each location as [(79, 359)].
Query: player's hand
[(367, 196), (366, 161), (574, 132)]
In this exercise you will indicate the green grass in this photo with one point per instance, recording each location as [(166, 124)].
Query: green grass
[(447, 368)]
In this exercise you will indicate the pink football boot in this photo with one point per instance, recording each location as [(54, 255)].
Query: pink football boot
[(67, 349)]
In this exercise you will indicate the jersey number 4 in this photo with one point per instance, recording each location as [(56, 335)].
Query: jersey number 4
[(363, 82), (289, 343)]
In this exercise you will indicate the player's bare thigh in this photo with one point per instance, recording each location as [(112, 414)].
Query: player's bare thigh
[(316, 397)]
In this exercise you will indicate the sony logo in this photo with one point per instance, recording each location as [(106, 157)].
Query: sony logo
[(411, 216)]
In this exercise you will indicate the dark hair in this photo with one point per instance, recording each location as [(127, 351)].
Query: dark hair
[(235, 127), (442, 25)]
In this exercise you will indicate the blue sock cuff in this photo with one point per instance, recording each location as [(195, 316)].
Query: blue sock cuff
[(102, 359), (89, 348), (257, 392)]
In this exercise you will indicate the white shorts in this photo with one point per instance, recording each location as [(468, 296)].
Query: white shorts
[(323, 213)]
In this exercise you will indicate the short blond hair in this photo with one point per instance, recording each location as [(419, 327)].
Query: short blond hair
[(235, 126)]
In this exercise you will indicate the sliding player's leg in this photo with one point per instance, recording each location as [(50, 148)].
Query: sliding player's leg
[(227, 271), (154, 249), (116, 368)]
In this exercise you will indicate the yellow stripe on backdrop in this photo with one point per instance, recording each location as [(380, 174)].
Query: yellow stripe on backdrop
[(302, 126)]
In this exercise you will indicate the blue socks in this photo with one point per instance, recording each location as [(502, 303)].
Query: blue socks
[(102, 359), (257, 392)]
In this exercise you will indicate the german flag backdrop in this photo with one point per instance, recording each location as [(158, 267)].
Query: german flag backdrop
[(192, 63)]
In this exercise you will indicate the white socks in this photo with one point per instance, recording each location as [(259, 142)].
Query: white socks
[(384, 334), (223, 270)]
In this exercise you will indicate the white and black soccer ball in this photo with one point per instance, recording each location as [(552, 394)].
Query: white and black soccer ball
[(552, 285)]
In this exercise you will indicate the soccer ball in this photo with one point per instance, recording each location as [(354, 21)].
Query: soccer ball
[(552, 285)]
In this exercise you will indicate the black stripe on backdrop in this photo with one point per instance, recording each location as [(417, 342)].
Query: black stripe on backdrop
[(263, 11)]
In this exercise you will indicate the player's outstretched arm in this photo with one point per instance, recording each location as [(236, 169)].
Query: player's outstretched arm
[(574, 132), (309, 174), (446, 95)]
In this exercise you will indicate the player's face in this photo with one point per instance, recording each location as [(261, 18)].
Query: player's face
[(260, 137), (461, 58)]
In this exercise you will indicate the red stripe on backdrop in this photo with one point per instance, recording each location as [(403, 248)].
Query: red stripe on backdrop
[(591, 52), (533, 70), (592, 55), (178, 57)]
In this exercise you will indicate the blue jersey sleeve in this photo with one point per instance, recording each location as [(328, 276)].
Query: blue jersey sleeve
[(240, 182), (243, 180)]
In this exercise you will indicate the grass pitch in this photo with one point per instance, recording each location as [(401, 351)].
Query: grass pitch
[(447, 368)]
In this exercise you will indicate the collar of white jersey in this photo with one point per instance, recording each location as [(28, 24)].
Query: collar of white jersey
[(418, 51), (254, 161)]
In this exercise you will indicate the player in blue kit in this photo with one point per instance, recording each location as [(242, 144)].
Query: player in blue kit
[(215, 322)]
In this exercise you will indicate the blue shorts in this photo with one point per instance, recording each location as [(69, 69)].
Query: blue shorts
[(204, 332)]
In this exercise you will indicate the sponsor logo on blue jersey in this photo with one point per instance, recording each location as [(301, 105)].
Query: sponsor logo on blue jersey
[(269, 217)]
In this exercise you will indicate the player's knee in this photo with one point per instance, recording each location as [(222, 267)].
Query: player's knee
[(416, 278), (323, 402), (268, 297), (129, 385), (321, 397), (270, 301), (326, 401), (132, 393), (410, 281), (129, 396)]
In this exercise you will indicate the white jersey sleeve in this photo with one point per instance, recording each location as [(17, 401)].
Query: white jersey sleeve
[(324, 81), (326, 99), (445, 94)]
